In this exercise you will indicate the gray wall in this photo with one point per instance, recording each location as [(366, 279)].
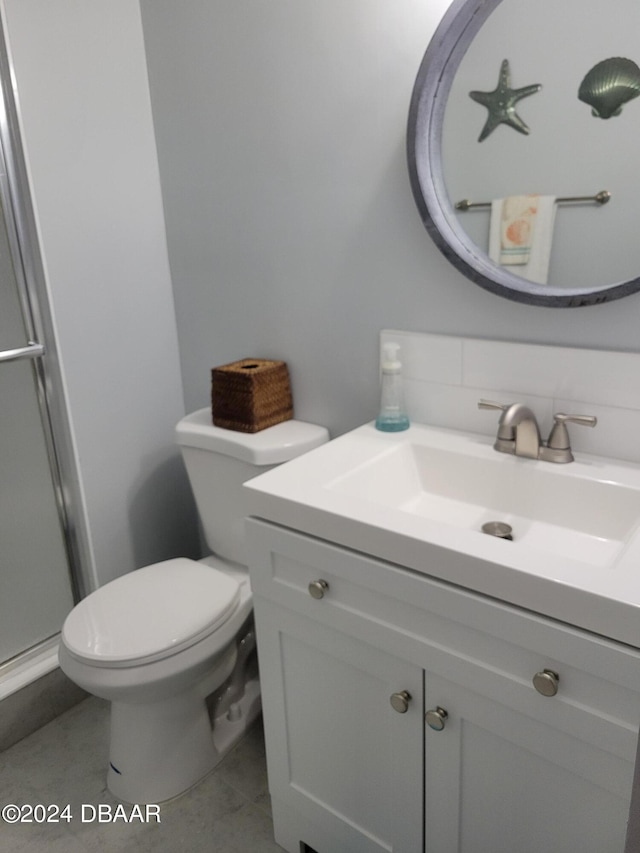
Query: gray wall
[(291, 227)]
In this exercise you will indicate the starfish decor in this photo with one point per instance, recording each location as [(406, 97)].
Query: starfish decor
[(501, 103)]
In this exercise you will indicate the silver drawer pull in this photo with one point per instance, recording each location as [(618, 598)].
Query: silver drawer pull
[(400, 701), (318, 588), (546, 682), (436, 718)]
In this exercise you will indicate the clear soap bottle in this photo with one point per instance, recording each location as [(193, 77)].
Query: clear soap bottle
[(392, 417)]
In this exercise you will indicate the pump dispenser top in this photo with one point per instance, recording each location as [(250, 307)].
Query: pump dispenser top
[(392, 417), (390, 360)]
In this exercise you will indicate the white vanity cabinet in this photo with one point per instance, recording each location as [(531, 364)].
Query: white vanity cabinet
[(347, 642), (341, 760)]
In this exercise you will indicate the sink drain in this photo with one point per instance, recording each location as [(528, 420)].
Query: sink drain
[(499, 529)]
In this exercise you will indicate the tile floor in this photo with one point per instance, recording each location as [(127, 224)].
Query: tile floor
[(64, 762)]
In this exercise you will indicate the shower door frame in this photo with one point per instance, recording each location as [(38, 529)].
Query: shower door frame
[(15, 196)]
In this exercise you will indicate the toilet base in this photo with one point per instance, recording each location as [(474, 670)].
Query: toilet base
[(228, 728), (160, 751)]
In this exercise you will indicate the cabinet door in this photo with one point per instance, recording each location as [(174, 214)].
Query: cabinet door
[(345, 768), (497, 779)]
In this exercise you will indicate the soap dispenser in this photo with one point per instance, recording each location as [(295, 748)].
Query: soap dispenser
[(392, 417)]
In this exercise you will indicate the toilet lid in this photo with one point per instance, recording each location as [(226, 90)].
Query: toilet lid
[(150, 613)]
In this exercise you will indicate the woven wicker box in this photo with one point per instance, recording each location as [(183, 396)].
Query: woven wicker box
[(251, 394)]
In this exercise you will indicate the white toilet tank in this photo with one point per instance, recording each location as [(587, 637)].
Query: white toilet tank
[(219, 461)]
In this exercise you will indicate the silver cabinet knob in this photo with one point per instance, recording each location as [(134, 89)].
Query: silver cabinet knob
[(436, 718), (400, 701), (546, 682), (318, 588)]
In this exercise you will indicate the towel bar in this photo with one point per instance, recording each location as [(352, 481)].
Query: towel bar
[(599, 198)]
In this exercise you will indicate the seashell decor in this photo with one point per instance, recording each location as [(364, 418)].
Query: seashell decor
[(609, 85)]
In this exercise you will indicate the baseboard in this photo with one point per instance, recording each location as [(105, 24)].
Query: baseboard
[(35, 705)]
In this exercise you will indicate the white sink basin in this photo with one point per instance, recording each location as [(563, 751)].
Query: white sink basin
[(459, 480), (419, 498)]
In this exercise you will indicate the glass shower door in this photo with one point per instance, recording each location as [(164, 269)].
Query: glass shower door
[(35, 581)]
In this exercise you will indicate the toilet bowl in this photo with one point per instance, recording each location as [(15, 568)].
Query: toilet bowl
[(171, 645)]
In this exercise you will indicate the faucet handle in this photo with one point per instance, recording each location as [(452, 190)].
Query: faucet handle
[(558, 448), (505, 433), (489, 404), (559, 436)]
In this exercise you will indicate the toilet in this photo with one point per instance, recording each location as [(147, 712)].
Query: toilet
[(170, 645)]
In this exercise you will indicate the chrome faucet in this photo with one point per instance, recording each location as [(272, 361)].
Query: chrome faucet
[(518, 432)]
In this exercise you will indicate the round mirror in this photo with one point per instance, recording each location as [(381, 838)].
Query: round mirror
[(515, 99)]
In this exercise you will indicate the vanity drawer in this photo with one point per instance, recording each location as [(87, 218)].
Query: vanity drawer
[(481, 643)]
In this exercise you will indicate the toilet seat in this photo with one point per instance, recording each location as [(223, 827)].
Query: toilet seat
[(150, 614)]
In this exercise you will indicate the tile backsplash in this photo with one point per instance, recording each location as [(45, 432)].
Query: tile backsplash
[(444, 377)]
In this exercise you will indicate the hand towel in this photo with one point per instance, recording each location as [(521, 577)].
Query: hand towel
[(521, 233), (517, 224)]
